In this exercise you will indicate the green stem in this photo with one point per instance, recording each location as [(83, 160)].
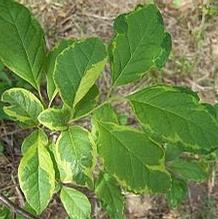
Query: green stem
[(40, 96), (110, 92), (118, 98)]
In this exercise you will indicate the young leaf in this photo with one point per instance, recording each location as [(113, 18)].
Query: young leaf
[(77, 69), (172, 151), (110, 195), (87, 103), (106, 113), (188, 170), (30, 140), (140, 43), (75, 157), (176, 114), (50, 66), (24, 106), (129, 156), (55, 119), (75, 203), (36, 174), (177, 193), (22, 46)]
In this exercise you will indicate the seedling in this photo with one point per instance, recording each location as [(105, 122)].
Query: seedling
[(175, 130)]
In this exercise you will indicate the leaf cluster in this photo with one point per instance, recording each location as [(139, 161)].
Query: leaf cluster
[(175, 130)]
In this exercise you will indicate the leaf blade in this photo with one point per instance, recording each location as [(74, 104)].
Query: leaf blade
[(36, 174), (24, 106), (75, 155), (50, 66), (110, 195), (76, 203), (134, 54), (55, 119), (176, 114), (139, 171), (81, 65), (22, 40)]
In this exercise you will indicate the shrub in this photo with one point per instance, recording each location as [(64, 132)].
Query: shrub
[(175, 130)]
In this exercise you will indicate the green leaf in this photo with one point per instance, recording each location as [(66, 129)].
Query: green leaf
[(87, 103), (22, 45), (177, 193), (24, 106), (133, 158), (176, 114), (140, 43), (77, 69), (50, 66), (75, 156), (110, 195), (172, 151), (106, 113), (5, 213), (123, 119), (2, 113), (76, 203), (36, 174), (189, 170), (55, 119), (30, 140)]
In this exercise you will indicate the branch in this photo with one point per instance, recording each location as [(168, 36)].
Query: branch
[(6, 202)]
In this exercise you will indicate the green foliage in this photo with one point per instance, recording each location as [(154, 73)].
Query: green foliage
[(76, 203), (174, 133), (22, 46), (5, 213), (110, 195), (126, 144), (189, 170), (77, 68), (75, 156), (23, 106), (50, 66), (36, 173), (177, 192), (134, 54), (176, 114), (55, 119)]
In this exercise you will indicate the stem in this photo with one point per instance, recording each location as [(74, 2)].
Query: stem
[(99, 106), (52, 98), (110, 92), (40, 96), (7, 203)]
